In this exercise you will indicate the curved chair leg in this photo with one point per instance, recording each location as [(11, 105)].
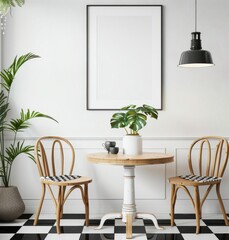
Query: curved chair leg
[(200, 213), (40, 204), (221, 204), (204, 198), (58, 211), (197, 208), (63, 188), (86, 203), (172, 204)]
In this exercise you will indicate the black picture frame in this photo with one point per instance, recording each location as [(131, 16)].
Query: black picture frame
[(88, 51)]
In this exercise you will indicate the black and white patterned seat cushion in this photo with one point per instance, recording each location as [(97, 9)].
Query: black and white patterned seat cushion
[(197, 178), (60, 178)]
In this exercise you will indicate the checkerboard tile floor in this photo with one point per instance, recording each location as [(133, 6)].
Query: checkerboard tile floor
[(73, 227)]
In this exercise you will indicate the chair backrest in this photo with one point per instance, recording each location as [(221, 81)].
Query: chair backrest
[(212, 155), (51, 150)]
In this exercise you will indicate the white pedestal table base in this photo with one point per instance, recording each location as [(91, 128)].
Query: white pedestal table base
[(129, 206)]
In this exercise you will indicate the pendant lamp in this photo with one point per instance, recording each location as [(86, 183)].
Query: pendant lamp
[(196, 57)]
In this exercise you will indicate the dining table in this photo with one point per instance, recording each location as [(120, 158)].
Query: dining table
[(129, 213)]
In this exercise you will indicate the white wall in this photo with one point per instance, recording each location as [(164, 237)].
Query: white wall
[(194, 100)]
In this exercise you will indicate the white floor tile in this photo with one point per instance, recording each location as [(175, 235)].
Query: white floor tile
[(138, 222), (188, 222), (17, 222), (34, 229), (105, 229), (212, 216), (6, 236), (199, 237), (134, 237), (162, 216), (219, 229), (71, 222), (166, 229), (63, 237)]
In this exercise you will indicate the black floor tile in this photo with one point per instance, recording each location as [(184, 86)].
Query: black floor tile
[(67, 229), (25, 216), (96, 236), (120, 229), (9, 229), (94, 222), (164, 237), (139, 229), (185, 216), (164, 222), (214, 222), (161, 222), (41, 222), (222, 236), (29, 237), (192, 229), (73, 216)]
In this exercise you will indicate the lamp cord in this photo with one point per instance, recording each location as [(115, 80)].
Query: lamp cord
[(195, 15)]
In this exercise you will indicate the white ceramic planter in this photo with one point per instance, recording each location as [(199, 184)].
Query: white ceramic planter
[(132, 144)]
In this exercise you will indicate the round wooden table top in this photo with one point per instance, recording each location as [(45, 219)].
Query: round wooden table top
[(130, 160)]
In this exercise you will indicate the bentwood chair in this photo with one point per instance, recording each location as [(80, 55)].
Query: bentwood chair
[(211, 152), (53, 156)]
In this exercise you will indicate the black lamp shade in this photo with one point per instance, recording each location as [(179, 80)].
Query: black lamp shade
[(196, 58)]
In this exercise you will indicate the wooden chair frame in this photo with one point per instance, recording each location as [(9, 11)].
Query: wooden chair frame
[(44, 170), (214, 168)]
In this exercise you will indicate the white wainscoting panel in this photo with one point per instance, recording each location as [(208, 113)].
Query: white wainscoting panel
[(152, 188)]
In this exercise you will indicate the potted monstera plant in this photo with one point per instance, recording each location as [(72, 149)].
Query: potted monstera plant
[(11, 204), (133, 119)]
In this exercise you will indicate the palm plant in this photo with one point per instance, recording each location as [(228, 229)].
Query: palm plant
[(5, 5), (135, 118), (8, 153)]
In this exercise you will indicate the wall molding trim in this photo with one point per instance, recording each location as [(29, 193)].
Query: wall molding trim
[(103, 138), (107, 195)]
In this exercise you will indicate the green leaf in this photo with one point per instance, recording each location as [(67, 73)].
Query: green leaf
[(8, 75), (3, 110), (18, 125), (118, 120), (18, 62), (5, 5), (8, 78), (12, 152), (136, 120), (148, 110), (6, 159), (19, 2), (128, 107)]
